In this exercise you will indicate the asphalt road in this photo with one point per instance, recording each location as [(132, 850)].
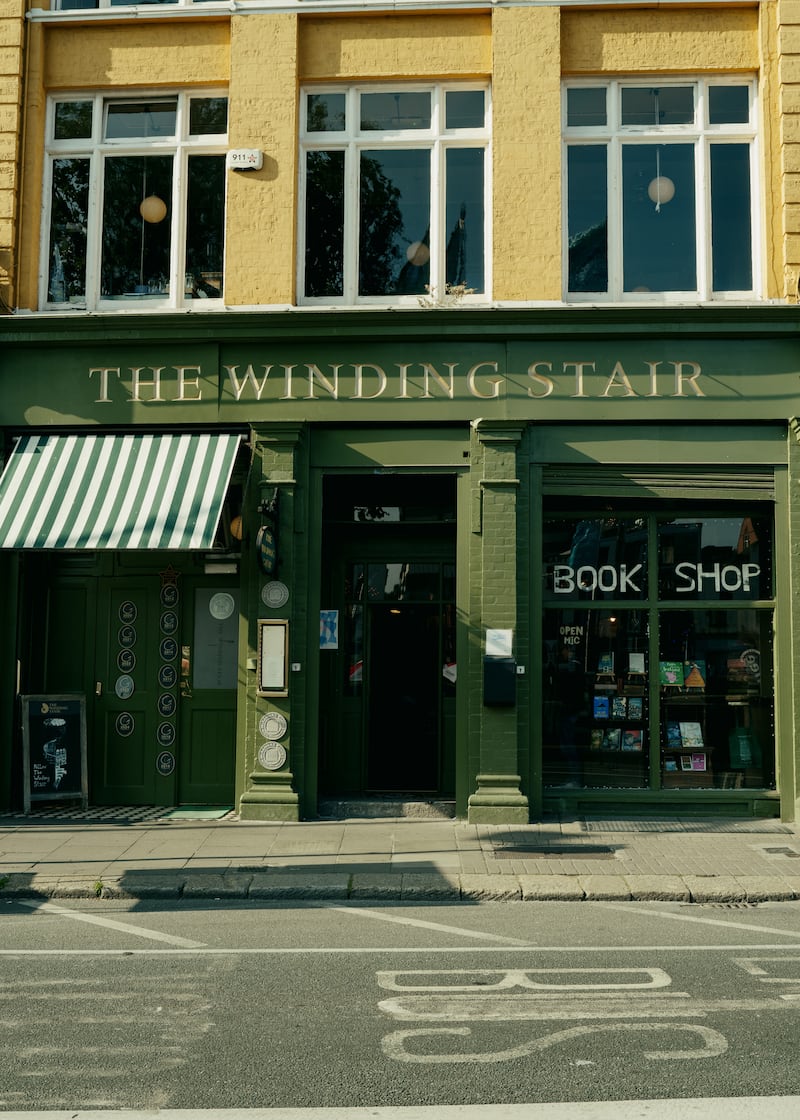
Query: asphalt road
[(147, 1006)]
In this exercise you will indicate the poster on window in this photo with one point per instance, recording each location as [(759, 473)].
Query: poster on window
[(54, 749)]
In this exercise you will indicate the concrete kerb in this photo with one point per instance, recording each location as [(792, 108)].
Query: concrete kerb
[(402, 887)]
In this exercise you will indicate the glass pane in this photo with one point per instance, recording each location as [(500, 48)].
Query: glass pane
[(130, 120), (389, 112), (587, 209), (403, 582), (465, 108), (208, 116), (73, 120), (353, 646), (73, 5), (715, 557), (394, 232), (68, 220), (205, 227), (715, 676), (655, 107), (136, 250), (595, 558), (325, 112), (324, 272), (586, 107), (594, 693), (658, 218), (728, 104), (732, 267), (464, 217)]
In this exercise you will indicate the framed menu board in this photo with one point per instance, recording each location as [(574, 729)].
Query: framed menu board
[(54, 749)]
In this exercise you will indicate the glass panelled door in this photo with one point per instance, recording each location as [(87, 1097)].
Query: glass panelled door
[(208, 694), (398, 676)]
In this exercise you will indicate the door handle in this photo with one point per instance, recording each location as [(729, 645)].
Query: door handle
[(98, 688)]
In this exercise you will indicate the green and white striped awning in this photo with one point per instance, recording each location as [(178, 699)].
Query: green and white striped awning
[(138, 491)]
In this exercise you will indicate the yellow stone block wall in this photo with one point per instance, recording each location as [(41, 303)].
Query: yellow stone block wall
[(265, 58), (787, 38), (12, 31)]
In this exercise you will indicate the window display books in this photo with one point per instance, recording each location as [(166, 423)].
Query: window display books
[(613, 739), (635, 707), (694, 675), (691, 735), (636, 663), (605, 664), (619, 707), (632, 739), (600, 707), (596, 738), (698, 762), (670, 674), (674, 741)]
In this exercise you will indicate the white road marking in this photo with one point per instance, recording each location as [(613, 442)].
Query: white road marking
[(394, 1044), (740, 927), (421, 924), (687, 1108), (471, 1009), (492, 980), (390, 950), (109, 923)]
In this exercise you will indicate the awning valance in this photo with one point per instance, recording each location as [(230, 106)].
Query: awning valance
[(137, 491)]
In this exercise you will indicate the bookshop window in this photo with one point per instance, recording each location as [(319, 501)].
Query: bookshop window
[(658, 678)]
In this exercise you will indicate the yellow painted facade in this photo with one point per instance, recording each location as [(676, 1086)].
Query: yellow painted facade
[(523, 51)]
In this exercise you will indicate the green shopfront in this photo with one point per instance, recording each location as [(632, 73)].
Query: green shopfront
[(508, 560)]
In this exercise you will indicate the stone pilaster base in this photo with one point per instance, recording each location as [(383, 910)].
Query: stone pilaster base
[(270, 798), (498, 800)]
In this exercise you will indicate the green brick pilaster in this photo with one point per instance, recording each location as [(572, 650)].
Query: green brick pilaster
[(278, 462), (497, 797)]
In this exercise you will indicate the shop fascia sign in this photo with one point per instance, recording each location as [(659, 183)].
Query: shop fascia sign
[(403, 381)]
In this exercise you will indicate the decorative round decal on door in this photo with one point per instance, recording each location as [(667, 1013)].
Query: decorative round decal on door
[(167, 676), (169, 595), (167, 704), (165, 763), (169, 622), (127, 611), (272, 725), (221, 605), (127, 636), (124, 687), (125, 724), (168, 649), (126, 661), (275, 594), (272, 756), (165, 734)]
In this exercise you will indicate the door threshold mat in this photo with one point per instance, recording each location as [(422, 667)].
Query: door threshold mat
[(196, 813), (118, 814), (742, 827)]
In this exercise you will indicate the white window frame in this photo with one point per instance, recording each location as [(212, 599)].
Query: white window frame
[(95, 148), (352, 141), (701, 135)]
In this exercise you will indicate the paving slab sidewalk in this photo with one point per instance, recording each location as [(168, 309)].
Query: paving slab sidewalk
[(399, 860)]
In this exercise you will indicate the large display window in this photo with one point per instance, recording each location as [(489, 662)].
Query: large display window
[(658, 675)]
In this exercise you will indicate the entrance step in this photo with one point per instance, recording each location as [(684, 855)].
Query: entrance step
[(341, 809)]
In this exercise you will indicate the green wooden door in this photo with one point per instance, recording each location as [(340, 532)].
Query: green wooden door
[(122, 699), (209, 670)]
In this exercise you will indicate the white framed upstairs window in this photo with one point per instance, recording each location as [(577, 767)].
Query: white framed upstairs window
[(394, 194), (134, 212), (661, 189)]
